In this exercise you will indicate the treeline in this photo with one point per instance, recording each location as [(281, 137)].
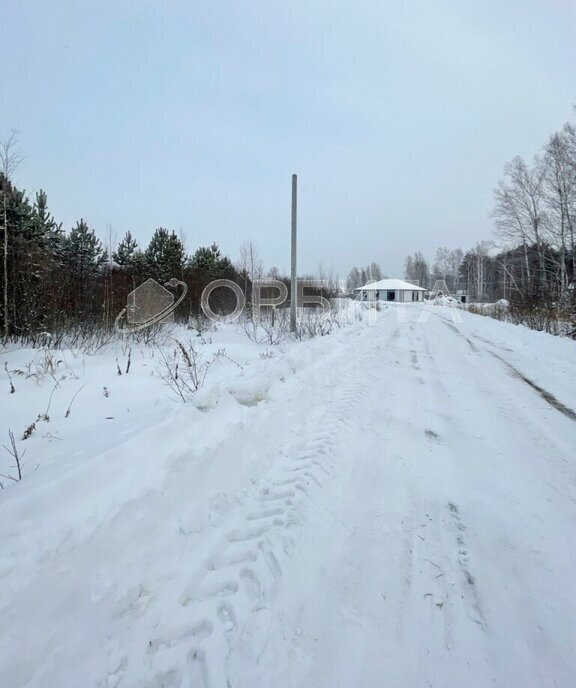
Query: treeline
[(358, 277), (532, 259), (53, 280), (483, 273), (535, 216)]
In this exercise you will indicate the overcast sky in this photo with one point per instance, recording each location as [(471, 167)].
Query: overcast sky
[(397, 117)]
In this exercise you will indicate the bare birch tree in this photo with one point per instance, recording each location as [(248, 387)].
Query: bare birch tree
[(250, 263), (520, 211), (569, 134), (560, 191)]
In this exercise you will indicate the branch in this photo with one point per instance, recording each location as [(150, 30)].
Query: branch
[(14, 452)]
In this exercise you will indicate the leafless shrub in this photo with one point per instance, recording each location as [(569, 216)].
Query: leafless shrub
[(29, 430), (41, 416), (251, 330), (88, 336), (271, 327), (159, 334), (45, 364), (550, 318), (200, 323), (13, 451), (342, 317), (69, 409), (553, 318), (98, 338), (125, 365), (275, 327), (46, 415), (184, 369), (12, 388), (269, 353), (314, 322), (221, 353)]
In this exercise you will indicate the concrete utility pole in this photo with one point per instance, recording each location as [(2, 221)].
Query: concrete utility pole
[(293, 292)]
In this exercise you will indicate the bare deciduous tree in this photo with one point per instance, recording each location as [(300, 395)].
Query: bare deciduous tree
[(416, 270), (560, 192), (250, 263), (480, 253), (354, 280), (520, 210), (447, 266)]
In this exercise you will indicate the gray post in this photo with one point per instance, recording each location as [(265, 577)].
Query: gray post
[(293, 292)]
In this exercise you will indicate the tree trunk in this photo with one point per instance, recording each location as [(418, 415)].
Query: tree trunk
[(526, 263), (5, 222)]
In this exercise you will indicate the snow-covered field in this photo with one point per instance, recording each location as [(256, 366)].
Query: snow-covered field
[(390, 506)]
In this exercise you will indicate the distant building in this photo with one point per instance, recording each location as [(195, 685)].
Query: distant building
[(391, 290)]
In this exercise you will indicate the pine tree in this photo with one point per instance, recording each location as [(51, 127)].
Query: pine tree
[(19, 255), (206, 259), (83, 250), (209, 263), (84, 257), (43, 248), (45, 225), (125, 254), (165, 255), (10, 158)]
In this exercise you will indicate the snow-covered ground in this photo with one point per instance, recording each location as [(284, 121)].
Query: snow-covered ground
[(390, 506)]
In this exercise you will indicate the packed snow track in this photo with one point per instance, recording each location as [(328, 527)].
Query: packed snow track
[(398, 510)]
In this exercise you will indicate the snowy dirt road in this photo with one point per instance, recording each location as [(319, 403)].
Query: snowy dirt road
[(399, 513)]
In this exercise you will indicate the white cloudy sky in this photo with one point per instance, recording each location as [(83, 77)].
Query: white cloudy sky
[(397, 116)]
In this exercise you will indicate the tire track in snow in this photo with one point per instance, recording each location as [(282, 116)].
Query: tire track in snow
[(547, 396), (230, 598), (508, 425), (440, 607), (385, 603)]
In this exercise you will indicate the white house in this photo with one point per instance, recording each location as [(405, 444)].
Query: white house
[(390, 290)]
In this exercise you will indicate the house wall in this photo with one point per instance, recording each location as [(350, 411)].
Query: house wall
[(400, 296), (405, 296)]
